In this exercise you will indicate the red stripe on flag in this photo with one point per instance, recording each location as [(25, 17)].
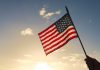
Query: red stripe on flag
[(48, 35), (60, 36), (61, 45), (56, 39), (48, 32), (46, 29), (55, 44)]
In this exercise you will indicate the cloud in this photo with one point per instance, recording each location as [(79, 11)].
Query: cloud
[(49, 14), (75, 60), (42, 12), (59, 63), (46, 14), (28, 55), (23, 60), (73, 57), (27, 59), (27, 32), (64, 57)]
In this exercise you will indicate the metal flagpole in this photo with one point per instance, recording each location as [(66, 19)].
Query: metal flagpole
[(77, 33)]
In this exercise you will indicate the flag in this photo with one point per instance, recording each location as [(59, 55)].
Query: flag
[(58, 34)]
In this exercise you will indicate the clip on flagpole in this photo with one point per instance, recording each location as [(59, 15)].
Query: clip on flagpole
[(77, 33)]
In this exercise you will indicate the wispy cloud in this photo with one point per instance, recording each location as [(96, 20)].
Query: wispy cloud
[(27, 32), (76, 60), (27, 59), (28, 55), (23, 60), (43, 12), (49, 14), (73, 57)]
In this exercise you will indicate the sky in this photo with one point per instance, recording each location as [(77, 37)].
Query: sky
[(22, 20)]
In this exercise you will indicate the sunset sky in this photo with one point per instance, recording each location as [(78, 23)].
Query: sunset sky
[(22, 20)]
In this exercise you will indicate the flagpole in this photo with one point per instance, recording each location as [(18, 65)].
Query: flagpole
[(77, 34)]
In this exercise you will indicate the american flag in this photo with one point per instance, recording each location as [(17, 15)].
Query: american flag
[(58, 34)]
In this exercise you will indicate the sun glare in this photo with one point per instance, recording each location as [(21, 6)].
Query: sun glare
[(42, 66)]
